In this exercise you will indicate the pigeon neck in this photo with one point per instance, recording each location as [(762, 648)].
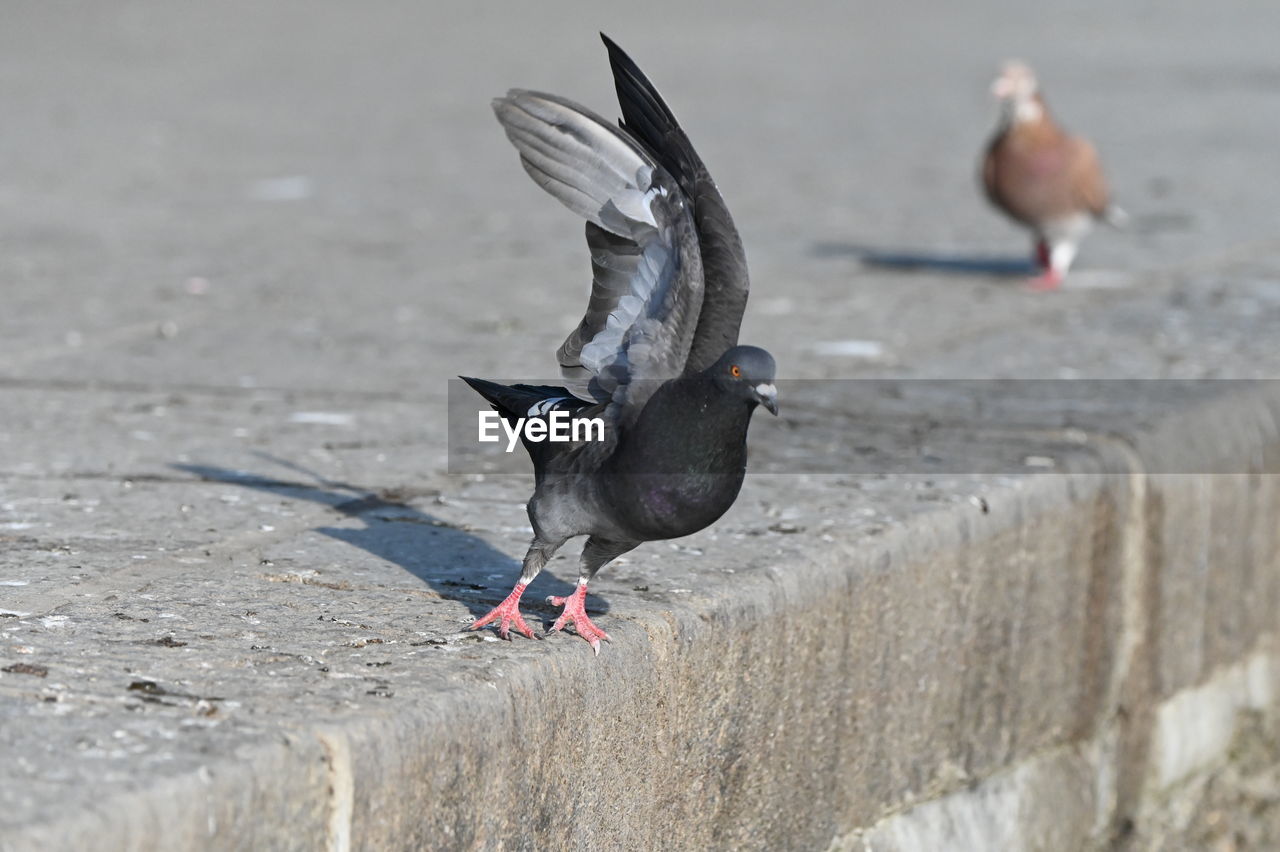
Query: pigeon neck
[(1022, 110)]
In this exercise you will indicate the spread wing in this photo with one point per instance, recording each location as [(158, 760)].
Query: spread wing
[(647, 288), (648, 118)]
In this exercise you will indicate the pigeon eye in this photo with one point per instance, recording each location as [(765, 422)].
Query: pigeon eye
[(735, 371)]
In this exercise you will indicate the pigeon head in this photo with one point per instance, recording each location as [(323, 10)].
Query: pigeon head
[(1018, 92), (748, 372)]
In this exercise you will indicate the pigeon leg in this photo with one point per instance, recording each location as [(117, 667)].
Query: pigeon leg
[(507, 613), (1048, 280), (1042, 254), (595, 554), (1060, 255)]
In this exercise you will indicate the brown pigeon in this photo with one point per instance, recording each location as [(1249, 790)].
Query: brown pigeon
[(1042, 176)]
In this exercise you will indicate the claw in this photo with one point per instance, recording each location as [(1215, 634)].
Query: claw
[(506, 614), (575, 611)]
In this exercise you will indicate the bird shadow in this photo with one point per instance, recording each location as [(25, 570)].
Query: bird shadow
[(454, 563), (911, 260)]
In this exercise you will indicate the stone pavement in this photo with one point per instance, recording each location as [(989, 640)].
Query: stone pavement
[(243, 248)]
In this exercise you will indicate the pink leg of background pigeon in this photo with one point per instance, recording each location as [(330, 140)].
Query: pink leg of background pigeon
[(509, 613), (575, 611), (1049, 278), (1042, 255)]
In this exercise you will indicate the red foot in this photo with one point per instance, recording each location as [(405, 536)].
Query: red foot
[(1050, 280), (1042, 254), (509, 612), (575, 611)]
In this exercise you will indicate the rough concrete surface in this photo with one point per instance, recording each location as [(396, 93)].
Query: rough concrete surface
[(245, 246)]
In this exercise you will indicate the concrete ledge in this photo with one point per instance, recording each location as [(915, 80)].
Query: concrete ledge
[(265, 796), (1048, 801), (1033, 667), (1064, 798)]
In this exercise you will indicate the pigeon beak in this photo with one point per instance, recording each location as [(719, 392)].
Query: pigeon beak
[(767, 394)]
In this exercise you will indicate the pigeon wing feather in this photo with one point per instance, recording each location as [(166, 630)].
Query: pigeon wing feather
[(647, 287), (647, 117)]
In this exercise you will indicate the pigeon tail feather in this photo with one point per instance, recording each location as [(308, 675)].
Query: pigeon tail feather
[(1116, 216), (515, 401)]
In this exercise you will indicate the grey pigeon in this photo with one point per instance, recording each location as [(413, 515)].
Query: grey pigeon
[(656, 357)]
